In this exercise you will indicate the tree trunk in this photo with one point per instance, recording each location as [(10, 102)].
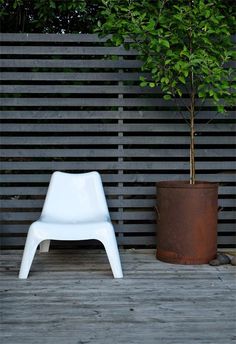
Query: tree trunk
[(192, 148), (192, 112)]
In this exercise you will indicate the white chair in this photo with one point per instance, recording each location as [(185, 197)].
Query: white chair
[(75, 209)]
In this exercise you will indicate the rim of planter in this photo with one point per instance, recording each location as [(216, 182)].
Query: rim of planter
[(186, 185)]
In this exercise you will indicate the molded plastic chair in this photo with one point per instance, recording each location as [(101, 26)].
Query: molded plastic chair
[(75, 209)]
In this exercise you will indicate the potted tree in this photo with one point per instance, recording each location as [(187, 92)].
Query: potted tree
[(185, 46)]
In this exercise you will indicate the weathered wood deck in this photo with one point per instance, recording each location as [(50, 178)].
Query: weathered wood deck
[(71, 298)]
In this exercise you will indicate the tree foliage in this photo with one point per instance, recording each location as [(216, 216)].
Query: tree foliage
[(185, 45), (176, 39), (49, 16)]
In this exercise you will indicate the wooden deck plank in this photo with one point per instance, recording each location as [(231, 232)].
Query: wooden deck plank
[(71, 297)]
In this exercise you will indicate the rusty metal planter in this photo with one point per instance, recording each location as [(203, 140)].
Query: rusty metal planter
[(186, 222)]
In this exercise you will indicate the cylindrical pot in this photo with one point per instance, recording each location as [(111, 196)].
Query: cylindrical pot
[(186, 222)]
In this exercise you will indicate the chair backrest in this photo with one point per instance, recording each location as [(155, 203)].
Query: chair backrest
[(74, 198)]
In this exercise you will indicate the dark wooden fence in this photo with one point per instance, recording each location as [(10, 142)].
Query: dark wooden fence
[(72, 103)]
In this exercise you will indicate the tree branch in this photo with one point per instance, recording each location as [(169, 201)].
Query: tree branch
[(181, 113)]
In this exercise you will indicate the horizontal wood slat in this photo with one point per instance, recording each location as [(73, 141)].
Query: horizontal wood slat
[(71, 63), (73, 103), (223, 241), (115, 140), (70, 76), (77, 89), (52, 37), (64, 50), (101, 102), (122, 165), (93, 153), (141, 177), (124, 228), (105, 127), (124, 190), (127, 216), (18, 203), (108, 63), (120, 114)]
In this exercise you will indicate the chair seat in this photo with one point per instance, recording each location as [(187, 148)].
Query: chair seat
[(70, 230)]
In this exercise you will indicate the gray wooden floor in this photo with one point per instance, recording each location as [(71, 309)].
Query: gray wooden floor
[(71, 298)]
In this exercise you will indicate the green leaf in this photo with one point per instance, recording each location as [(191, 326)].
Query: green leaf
[(220, 109), (167, 97), (167, 62), (152, 84), (181, 78), (201, 95), (179, 92), (185, 73), (52, 4), (143, 84), (151, 25), (184, 52), (165, 80), (207, 13), (216, 98), (164, 43)]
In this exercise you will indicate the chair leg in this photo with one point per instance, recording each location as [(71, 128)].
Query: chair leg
[(44, 246), (31, 245), (112, 252)]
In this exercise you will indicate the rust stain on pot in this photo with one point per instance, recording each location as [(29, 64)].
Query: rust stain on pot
[(187, 222)]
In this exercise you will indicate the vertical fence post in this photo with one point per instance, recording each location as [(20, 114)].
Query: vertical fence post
[(120, 158)]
